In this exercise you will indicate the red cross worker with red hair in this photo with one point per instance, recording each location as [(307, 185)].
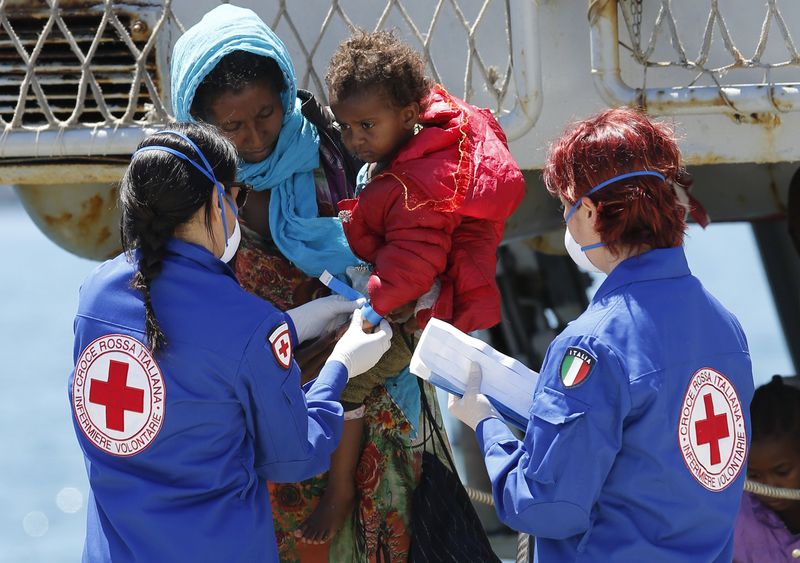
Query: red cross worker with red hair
[(638, 433)]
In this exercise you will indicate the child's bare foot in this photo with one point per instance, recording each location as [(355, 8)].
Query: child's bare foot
[(334, 507)]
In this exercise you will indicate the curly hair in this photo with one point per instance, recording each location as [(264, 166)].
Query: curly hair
[(370, 60), (635, 212)]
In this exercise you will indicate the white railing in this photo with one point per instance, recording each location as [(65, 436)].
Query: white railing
[(745, 85)]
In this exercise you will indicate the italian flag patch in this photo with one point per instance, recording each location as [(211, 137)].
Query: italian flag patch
[(576, 367)]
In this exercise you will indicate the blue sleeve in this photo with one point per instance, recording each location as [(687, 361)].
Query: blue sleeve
[(547, 484), (294, 432)]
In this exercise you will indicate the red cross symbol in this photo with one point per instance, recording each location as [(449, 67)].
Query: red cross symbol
[(712, 429), (116, 396), (284, 347)]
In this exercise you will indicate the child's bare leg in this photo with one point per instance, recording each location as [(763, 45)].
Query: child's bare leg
[(340, 495)]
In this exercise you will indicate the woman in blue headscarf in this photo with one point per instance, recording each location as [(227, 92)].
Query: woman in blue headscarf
[(231, 70)]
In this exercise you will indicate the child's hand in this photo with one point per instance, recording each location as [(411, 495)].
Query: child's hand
[(402, 314), (367, 326), (410, 326)]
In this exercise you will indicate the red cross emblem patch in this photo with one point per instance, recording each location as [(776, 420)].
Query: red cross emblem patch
[(711, 430), (118, 395), (281, 342)]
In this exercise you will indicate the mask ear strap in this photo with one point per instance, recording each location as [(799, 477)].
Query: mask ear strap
[(602, 185), (179, 154), (194, 146), (210, 175), (208, 172), (592, 246)]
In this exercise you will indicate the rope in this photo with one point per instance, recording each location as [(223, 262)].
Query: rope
[(145, 103), (523, 548), (767, 491), (479, 496), (750, 486), (665, 26), (108, 29), (421, 32), (523, 540)]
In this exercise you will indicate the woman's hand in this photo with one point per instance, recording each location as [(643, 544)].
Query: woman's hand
[(358, 350), (473, 407)]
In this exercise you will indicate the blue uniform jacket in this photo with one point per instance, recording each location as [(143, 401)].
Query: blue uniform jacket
[(178, 447), (638, 433)]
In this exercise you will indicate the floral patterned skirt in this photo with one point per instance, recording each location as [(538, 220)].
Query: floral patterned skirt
[(387, 474)]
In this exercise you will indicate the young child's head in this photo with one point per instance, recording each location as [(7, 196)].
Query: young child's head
[(774, 457), (375, 85)]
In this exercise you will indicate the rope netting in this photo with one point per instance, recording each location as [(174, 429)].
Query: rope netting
[(97, 63), (81, 65), (442, 30), (663, 35)]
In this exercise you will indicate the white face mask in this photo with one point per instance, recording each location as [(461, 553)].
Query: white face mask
[(232, 245), (232, 242), (578, 256)]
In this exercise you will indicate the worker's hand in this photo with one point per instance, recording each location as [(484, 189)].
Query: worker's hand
[(473, 407), (359, 351), (321, 316)]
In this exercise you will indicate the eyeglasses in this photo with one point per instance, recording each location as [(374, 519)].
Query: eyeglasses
[(241, 196)]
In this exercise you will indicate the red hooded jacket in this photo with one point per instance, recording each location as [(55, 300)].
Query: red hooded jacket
[(438, 211)]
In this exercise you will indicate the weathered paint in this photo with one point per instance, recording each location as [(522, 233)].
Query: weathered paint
[(753, 103), (81, 218), (36, 172)]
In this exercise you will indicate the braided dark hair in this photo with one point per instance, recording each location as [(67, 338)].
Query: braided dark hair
[(160, 192), (234, 72), (775, 411)]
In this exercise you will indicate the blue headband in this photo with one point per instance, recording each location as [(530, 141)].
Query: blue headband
[(206, 170), (611, 181)]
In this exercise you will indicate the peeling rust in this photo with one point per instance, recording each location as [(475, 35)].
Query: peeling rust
[(69, 172), (58, 221), (766, 119), (103, 235), (29, 5), (81, 218)]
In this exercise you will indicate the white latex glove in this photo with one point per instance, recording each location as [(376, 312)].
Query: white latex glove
[(321, 316), (358, 350), (473, 407)]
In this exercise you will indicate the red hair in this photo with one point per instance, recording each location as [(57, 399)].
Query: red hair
[(634, 212)]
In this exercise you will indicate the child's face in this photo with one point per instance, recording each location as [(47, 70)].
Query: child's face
[(775, 461), (373, 129)]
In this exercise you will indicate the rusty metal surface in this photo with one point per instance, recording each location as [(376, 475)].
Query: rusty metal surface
[(53, 89), (80, 218), (32, 173), (25, 5)]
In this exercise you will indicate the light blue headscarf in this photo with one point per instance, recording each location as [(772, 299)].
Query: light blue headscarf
[(312, 243)]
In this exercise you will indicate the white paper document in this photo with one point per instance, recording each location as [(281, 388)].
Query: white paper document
[(443, 357)]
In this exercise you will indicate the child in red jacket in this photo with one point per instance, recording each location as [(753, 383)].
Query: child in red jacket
[(431, 205), (440, 184)]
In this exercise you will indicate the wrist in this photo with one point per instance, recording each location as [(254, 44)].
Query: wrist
[(297, 322), (342, 359)]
